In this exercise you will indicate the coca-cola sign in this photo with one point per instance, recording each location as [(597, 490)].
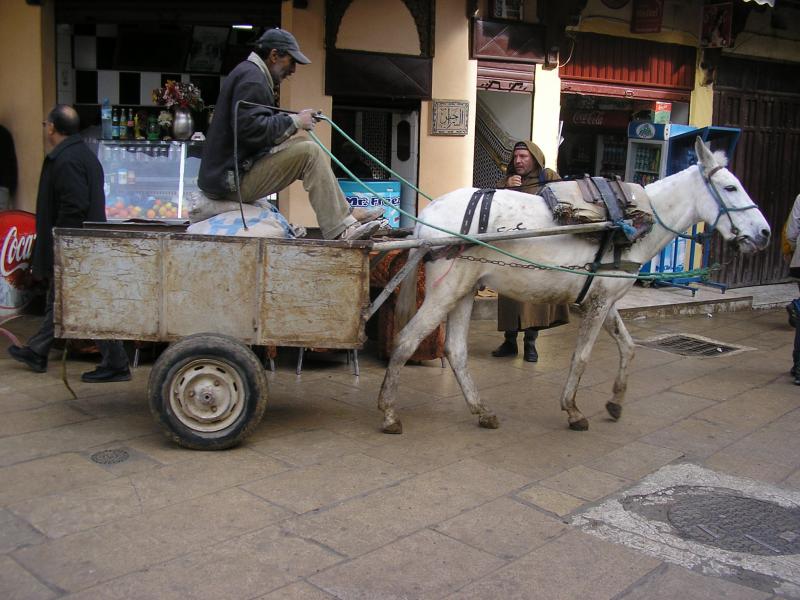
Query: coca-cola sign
[(17, 235)]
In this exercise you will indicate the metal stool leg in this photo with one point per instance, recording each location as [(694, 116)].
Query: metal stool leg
[(135, 358), (356, 370), (272, 365), (442, 359), (300, 360)]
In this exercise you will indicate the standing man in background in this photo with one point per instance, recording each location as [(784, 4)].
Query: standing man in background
[(526, 173), (268, 159), (70, 192)]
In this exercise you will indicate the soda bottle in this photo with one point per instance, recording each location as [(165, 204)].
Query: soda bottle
[(131, 130), (123, 125), (115, 124), (105, 119)]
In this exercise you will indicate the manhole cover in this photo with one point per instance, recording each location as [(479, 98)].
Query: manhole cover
[(724, 519), (689, 345), (110, 457)]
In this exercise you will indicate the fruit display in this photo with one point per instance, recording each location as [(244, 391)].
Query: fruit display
[(141, 208)]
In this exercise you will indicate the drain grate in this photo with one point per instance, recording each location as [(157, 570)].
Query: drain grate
[(110, 457), (689, 345), (724, 519)]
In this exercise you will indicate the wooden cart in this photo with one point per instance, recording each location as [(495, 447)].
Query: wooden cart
[(213, 297)]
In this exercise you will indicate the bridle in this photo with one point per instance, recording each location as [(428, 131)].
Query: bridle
[(722, 209)]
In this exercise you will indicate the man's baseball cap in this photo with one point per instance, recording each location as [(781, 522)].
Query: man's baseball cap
[(280, 39)]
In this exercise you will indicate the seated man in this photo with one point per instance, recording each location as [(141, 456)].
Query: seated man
[(268, 159)]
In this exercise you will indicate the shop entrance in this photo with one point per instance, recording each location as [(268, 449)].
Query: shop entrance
[(390, 134)]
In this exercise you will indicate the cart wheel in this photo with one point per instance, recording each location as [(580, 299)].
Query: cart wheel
[(208, 391)]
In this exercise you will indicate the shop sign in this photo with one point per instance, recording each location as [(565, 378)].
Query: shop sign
[(647, 15), (449, 117), (608, 119), (17, 234)]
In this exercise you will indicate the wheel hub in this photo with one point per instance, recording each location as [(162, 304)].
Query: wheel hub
[(207, 394)]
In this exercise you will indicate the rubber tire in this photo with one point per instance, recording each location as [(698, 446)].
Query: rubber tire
[(217, 347)]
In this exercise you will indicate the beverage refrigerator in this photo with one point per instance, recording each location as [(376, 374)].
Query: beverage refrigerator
[(610, 156), (659, 150)]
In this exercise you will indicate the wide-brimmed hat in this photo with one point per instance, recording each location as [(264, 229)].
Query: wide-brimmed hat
[(280, 39)]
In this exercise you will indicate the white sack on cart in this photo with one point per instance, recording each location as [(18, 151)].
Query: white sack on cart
[(262, 221)]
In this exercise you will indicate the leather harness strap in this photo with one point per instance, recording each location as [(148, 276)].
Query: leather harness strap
[(485, 197), (609, 198)]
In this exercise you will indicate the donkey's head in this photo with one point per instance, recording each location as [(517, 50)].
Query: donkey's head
[(727, 206)]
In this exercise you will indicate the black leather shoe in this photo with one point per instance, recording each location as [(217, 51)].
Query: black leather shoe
[(529, 353), (505, 349), (36, 362), (106, 375)]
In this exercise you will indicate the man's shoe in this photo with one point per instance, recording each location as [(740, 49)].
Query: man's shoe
[(364, 215), (359, 231), (36, 362), (106, 375), (505, 349), (792, 310), (529, 353)]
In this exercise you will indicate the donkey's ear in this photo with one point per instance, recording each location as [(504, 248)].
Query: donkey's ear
[(703, 152)]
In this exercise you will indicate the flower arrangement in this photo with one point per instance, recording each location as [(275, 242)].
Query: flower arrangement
[(177, 93)]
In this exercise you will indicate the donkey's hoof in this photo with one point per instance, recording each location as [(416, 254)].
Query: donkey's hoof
[(489, 422), (614, 410), (396, 427), (579, 425)]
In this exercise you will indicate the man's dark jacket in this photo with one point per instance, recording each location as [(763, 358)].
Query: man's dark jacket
[(259, 129), (70, 192)]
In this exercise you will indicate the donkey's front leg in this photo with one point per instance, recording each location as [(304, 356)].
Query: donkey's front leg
[(595, 309), (616, 328), (456, 350)]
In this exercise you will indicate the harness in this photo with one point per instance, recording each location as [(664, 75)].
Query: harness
[(722, 209), (612, 237)]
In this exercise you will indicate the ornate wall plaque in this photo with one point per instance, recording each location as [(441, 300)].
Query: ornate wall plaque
[(450, 117)]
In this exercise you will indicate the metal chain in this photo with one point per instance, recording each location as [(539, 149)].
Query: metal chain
[(501, 263)]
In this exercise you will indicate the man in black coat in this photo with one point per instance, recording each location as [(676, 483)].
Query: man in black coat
[(269, 157), (70, 192)]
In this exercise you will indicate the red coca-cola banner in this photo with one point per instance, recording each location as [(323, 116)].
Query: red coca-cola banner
[(604, 119), (17, 234)]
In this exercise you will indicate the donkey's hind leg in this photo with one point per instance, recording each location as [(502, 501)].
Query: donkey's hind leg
[(429, 315), (456, 350), (616, 328), (595, 310)]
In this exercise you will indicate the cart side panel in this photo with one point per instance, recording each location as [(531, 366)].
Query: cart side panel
[(107, 287), (314, 296), (209, 287)]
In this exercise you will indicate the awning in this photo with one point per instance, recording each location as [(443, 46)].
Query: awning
[(763, 2)]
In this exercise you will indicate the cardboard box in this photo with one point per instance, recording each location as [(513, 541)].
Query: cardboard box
[(662, 112)]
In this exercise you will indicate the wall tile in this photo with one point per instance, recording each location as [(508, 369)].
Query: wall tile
[(108, 86), (86, 87), (149, 82), (85, 52)]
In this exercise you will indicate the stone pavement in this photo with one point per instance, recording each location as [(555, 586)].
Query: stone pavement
[(319, 504)]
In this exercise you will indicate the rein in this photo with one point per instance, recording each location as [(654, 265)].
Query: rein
[(722, 209)]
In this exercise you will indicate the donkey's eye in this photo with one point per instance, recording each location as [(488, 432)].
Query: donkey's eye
[(730, 188)]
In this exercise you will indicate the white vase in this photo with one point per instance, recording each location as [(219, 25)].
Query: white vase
[(182, 123)]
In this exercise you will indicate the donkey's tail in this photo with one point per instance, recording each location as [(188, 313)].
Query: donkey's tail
[(406, 306)]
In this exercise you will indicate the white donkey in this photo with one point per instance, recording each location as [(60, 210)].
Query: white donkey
[(707, 192)]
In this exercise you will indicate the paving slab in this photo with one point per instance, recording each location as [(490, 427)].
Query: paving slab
[(424, 565), (571, 566)]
